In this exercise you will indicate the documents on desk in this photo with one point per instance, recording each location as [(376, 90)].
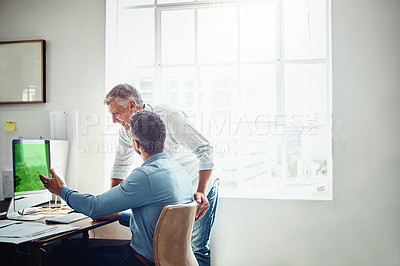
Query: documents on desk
[(4, 223), (18, 232)]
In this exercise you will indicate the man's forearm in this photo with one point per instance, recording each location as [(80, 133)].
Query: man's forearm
[(204, 178), (115, 182)]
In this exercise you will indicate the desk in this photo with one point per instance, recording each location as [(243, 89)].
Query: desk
[(35, 258)]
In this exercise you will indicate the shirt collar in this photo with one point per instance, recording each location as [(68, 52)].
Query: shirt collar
[(161, 155), (128, 133)]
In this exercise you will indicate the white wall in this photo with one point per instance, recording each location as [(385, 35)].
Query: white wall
[(74, 32), (359, 227)]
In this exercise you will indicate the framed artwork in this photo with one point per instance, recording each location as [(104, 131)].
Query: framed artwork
[(23, 71)]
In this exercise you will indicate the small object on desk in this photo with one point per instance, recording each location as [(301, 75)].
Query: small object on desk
[(66, 219), (64, 211)]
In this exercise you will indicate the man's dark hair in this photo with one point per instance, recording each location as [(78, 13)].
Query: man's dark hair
[(149, 130)]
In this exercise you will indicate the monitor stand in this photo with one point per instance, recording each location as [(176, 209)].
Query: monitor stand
[(13, 215)]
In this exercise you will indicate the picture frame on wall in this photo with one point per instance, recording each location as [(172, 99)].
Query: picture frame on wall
[(23, 71)]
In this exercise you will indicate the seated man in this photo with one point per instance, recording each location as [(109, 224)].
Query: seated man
[(158, 182)]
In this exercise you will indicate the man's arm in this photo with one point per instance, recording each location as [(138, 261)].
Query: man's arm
[(200, 195), (115, 182), (112, 217), (116, 216), (131, 194), (188, 136), (123, 159)]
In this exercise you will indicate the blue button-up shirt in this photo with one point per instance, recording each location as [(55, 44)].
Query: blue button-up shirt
[(158, 182)]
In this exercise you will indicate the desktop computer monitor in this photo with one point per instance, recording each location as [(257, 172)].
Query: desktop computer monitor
[(30, 158)]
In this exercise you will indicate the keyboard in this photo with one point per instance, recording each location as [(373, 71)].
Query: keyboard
[(67, 218)]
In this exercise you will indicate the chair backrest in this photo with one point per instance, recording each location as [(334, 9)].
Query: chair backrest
[(172, 236)]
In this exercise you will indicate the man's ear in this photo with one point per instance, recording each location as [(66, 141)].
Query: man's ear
[(132, 105), (136, 143)]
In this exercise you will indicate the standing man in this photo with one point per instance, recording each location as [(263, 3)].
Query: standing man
[(184, 144)]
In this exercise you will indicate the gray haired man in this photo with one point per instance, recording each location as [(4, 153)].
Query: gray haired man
[(184, 144)]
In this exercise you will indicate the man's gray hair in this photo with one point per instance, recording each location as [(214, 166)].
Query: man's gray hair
[(123, 93)]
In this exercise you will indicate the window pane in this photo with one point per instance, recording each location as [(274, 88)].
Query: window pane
[(217, 33), (136, 37), (218, 91), (178, 88), (124, 3), (257, 32), (248, 172), (306, 91), (141, 79), (306, 162), (173, 1), (258, 91), (177, 37), (305, 29)]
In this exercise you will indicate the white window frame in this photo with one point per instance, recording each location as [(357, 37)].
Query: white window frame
[(111, 70)]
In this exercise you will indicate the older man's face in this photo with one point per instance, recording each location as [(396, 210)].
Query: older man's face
[(121, 114)]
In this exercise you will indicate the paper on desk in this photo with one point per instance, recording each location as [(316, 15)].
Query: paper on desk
[(28, 231), (4, 223), (25, 229)]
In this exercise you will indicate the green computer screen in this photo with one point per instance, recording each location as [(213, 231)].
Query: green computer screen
[(30, 160)]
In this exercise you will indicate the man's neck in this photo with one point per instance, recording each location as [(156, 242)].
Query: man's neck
[(146, 155)]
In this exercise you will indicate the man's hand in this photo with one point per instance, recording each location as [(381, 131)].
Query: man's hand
[(203, 204), (111, 217), (54, 185)]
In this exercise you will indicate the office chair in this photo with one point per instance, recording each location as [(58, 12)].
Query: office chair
[(172, 236)]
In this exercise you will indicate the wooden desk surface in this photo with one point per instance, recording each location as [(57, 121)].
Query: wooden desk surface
[(83, 225), (34, 246)]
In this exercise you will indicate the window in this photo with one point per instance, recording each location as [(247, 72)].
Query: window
[(254, 76)]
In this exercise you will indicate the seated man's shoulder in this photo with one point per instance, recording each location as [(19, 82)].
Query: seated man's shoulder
[(165, 168), (166, 173), (157, 163), (162, 164)]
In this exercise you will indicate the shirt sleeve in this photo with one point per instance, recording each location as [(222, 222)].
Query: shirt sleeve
[(123, 156), (134, 192), (184, 133), (125, 218)]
